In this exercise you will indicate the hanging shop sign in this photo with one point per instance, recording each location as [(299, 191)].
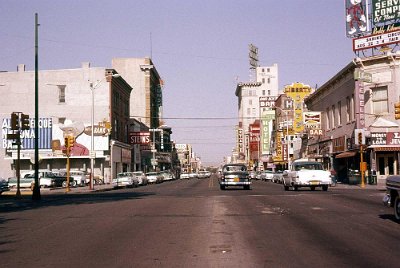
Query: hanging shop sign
[(298, 91), (266, 128)]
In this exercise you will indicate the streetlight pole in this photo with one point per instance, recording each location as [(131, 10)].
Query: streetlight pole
[(92, 152), (153, 160)]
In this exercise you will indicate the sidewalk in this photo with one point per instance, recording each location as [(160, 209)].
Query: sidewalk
[(73, 190)]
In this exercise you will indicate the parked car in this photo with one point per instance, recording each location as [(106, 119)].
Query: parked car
[(277, 177), (193, 175), (3, 185), (184, 176), (392, 197), (154, 177), (46, 179), (141, 177), (235, 175), (167, 175), (253, 175), (78, 175), (267, 175), (125, 179)]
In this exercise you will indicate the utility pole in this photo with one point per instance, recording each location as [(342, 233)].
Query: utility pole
[(36, 188)]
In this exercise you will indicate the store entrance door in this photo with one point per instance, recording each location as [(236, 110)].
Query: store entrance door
[(386, 165)]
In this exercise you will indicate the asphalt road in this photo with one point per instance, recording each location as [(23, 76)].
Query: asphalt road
[(192, 223)]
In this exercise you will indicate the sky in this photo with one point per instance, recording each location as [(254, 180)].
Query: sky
[(200, 50)]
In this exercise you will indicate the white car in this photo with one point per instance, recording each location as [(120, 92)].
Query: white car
[(141, 177), (154, 177), (184, 176), (203, 174), (267, 175), (167, 175), (305, 173), (125, 179)]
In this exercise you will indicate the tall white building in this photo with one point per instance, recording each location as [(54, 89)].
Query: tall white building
[(254, 100)]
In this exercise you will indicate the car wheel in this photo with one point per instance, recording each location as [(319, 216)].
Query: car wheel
[(325, 188), (397, 208), (312, 188), (295, 188), (222, 187), (247, 187), (74, 184), (286, 187), (64, 184)]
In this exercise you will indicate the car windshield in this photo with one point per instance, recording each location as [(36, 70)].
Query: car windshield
[(234, 168), (119, 175), (308, 166), (151, 174)]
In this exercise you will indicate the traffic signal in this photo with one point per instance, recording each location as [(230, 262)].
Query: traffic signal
[(360, 138), (14, 121), (25, 122), (397, 110)]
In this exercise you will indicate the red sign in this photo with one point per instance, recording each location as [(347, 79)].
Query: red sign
[(254, 138), (139, 137)]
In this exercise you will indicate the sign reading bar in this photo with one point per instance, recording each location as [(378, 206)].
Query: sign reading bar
[(376, 40)]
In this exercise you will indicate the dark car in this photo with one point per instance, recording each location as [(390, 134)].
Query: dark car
[(235, 175), (3, 186)]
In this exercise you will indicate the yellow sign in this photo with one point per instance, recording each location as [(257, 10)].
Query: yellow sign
[(298, 91)]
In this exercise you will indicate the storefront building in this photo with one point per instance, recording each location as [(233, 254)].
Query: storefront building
[(360, 99)]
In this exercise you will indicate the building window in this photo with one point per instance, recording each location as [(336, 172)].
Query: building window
[(263, 92), (352, 107), (262, 70), (380, 100), (263, 80), (333, 116), (248, 111), (269, 92), (61, 120), (348, 109), (250, 102), (61, 93), (269, 80), (328, 122), (268, 70), (254, 111), (339, 118)]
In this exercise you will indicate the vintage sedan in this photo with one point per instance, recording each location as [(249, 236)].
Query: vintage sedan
[(154, 177), (235, 175), (3, 185), (46, 179), (125, 179), (141, 177), (184, 176)]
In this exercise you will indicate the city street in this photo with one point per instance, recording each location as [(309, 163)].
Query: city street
[(192, 223)]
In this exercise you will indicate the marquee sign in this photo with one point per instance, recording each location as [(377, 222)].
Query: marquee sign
[(376, 40)]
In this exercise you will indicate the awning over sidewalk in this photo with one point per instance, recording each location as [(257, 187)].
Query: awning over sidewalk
[(346, 154), (385, 148)]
